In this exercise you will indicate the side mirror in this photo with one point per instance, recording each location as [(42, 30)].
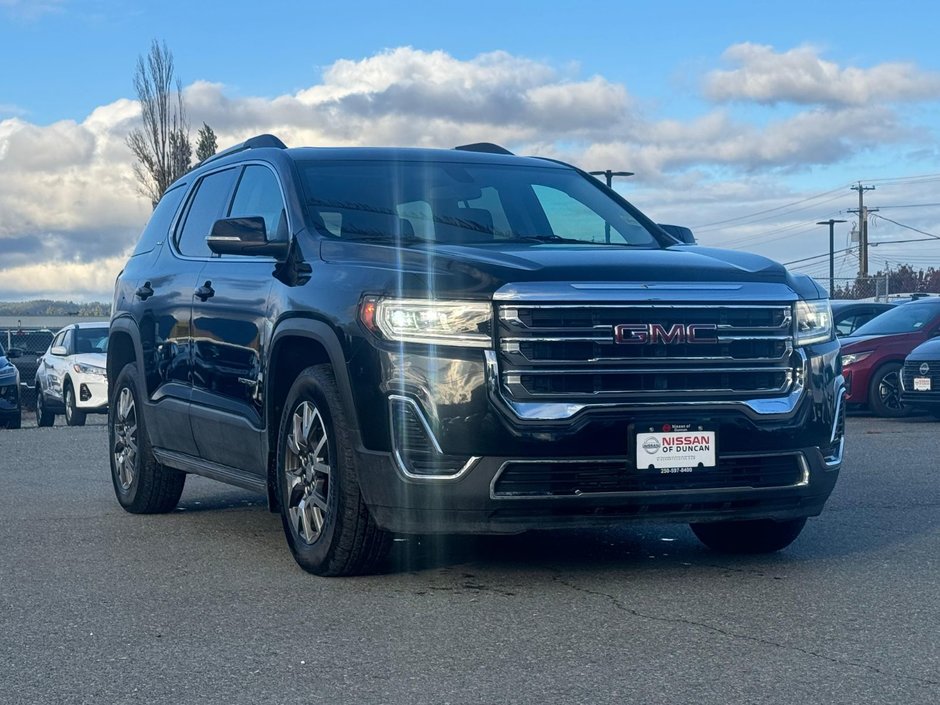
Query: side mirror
[(244, 236), (680, 233), (59, 351)]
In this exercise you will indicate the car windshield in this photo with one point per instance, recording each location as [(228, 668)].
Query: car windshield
[(91, 340), (447, 202), (907, 318)]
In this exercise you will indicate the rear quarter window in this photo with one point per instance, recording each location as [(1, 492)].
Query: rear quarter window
[(158, 226)]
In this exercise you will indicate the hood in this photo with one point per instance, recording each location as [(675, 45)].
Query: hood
[(491, 265), (926, 351), (7, 370), (868, 342), (95, 359)]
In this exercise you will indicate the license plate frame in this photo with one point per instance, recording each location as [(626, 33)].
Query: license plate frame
[(648, 441)]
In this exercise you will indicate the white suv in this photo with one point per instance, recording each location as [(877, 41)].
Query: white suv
[(71, 376)]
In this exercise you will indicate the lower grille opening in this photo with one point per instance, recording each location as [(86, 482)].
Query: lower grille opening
[(83, 393), (574, 478), (414, 444)]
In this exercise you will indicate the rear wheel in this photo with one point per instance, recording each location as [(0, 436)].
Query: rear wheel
[(73, 415), (44, 417), (754, 536), (326, 522), (141, 484), (884, 393)]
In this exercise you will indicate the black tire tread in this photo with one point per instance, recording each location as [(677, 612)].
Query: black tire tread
[(750, 536), (46, 418), (157, 488), (74, 416), (874, 401), (362, 547)]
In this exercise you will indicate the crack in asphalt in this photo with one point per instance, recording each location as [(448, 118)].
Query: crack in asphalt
[(916, 680)]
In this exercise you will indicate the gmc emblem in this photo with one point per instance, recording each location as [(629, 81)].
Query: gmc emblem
[(654, 333)]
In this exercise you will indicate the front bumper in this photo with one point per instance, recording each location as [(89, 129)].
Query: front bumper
[(91, 392), (472, 503)]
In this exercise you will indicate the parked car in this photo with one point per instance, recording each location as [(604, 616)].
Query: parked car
[(920, 378), (10, 411), (422, 341), (71, 377), (849, 316), (873, 356), (24, 348)]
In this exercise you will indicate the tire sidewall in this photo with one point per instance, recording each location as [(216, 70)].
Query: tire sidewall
[(125, 380), (312, 556)]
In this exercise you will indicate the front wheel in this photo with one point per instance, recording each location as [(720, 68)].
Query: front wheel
[(141, 484), (884, 394), (73, 415), (754, 536), (326, 522)]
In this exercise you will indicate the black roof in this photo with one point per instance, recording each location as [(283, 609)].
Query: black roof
[(415, 154)]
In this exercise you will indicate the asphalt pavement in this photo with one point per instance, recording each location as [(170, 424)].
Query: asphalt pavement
[(205, 605)]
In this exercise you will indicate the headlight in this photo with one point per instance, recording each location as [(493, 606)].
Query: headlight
[(852, 358), (89, 369), (813, 322), (464, 323)]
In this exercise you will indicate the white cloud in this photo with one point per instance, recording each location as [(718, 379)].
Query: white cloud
[(799, 75), (30, 9), (67, 192)]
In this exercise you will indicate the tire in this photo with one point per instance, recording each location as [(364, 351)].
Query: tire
[(141, 484), (326, 522), (44, 417), (73, 415), (884, 392), (754, 536)]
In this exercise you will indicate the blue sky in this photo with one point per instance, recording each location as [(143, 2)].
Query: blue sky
[(724, 109)]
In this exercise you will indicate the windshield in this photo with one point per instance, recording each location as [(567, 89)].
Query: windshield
[(907, 318), (447, 202), (91, 340)]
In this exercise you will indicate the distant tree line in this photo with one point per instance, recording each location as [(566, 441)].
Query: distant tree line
[(161, 146), (49, 307), (903, 279)]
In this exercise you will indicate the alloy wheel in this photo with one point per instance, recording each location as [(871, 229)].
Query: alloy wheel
[(68, 405), (307, 470), (890, 392), (125, 439)]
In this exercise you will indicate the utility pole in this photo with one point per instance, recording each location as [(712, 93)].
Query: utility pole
[(862, 227), (832, 260), (609, 177)]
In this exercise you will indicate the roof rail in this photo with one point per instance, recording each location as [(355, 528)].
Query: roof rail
[(487, 147), (255, 142)]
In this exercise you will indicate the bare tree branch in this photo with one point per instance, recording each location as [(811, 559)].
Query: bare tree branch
[(161, 146)]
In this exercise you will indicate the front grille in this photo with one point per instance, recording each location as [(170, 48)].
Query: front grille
[(591, 353), (912, 370), (579, 477)]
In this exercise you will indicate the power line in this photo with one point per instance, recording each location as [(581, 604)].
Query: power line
[(824, 254), (768, 210), (909, 227)]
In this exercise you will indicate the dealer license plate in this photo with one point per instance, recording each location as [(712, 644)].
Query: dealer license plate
[(673, 448), (922, 384)]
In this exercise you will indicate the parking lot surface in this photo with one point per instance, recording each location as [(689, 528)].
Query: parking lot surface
[(205, 605)]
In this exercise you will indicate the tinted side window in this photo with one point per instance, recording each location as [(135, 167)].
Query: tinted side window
[(207, 206), (159, 224), (57, 341), (68, 342), (258, 194)]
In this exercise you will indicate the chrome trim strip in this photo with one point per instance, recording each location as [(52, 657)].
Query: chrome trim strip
[(558, 411), (400, 464), (802, 482), (605, 292), (542, 372)]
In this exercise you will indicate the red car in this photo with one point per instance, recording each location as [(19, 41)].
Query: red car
[(873, 355)]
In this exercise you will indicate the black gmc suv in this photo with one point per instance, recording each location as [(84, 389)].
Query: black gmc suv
[(413, 341)]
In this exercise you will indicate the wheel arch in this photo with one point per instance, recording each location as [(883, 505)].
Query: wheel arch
[(298, 343), (123, 348)]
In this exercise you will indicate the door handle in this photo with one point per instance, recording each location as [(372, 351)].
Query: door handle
[(205, 292), (144, 292)]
